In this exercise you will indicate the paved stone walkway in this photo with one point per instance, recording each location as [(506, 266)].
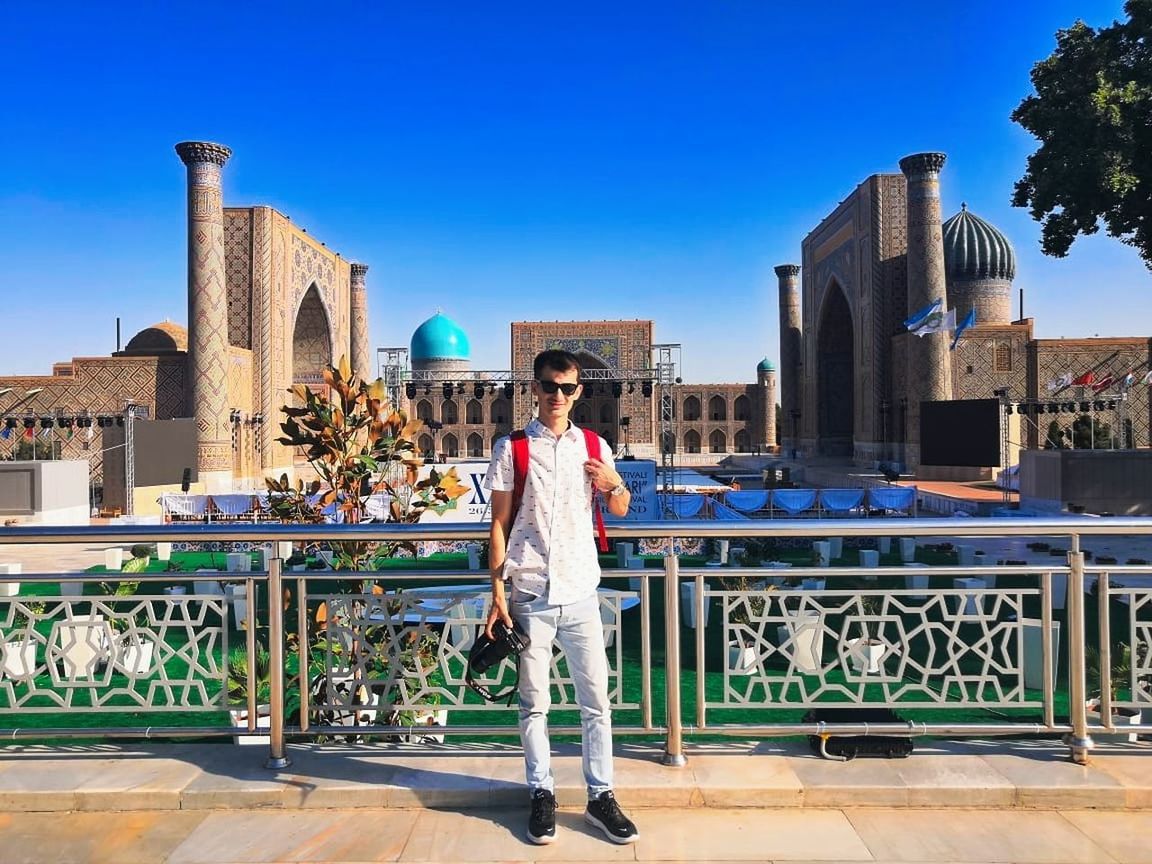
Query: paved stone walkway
[(346, 836)]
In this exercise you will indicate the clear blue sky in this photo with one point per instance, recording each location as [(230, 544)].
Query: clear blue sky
[(514, 160)]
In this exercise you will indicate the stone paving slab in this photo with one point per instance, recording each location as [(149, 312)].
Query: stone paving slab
[(342, 836), (193, 777)]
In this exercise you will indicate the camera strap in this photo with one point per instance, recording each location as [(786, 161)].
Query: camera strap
[(486, 693)]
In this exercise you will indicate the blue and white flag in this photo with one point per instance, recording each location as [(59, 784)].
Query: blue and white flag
[(938, 322), (1065, 380), (919, 319), (969, 321)]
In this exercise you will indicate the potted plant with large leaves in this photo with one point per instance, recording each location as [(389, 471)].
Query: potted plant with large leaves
[(1120, 676), (367, 469)]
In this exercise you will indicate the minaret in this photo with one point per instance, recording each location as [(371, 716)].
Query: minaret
[(790, 354), (766, 379), (208, 314), (928, 374), (361, 352)]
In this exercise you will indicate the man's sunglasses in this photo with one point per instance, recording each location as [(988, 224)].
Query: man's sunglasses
[(551, 387)]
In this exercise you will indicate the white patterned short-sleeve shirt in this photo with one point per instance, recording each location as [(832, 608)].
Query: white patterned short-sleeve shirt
[(552, 544)]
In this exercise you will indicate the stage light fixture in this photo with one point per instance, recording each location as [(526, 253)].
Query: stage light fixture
[(47, 423), (1098, 404), (617, 389), (29, 422), (509, 390), (447, 389), (1008, 408), (478, 390), (523, 389), (10, 422), (460, 387), (646, 389), (233, 417), (1084, 406), (120, 420), (410, 390), (1111, 404), (1053, 408)]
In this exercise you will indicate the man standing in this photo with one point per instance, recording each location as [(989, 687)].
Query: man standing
[(544, 574)]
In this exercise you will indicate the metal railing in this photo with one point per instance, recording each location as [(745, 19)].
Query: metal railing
[(854, 640)]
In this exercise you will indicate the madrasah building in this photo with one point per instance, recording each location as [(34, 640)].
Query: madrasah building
[(270, 306)]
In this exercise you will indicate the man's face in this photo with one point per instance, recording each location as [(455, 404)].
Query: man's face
[(555, 406)]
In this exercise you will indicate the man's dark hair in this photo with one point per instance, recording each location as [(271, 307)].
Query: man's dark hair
[(556, 360)]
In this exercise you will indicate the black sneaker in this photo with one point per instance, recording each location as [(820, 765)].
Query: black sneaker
[(605, 814), (542, 822)]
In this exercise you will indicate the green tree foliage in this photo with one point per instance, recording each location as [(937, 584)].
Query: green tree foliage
[(1083, 431), (1092, 113)]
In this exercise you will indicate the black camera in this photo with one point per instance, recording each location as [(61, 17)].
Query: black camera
[(487, 653)]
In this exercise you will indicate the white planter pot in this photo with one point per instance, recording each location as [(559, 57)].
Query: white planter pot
[(425, 721), (163, 551), (19, 659), (1119, 720), (884, 545), (968, 604), (134, 656), (907, 549), (869, 558), (113, 558), (1032, 652), (688, 605), (624, 551), (917, 581), (473, 550), (238, 594), (813, 583), (965, 554), (238, 562), (801, 640), (83, 644), (723, 547), (741, 659), (263, 721), (866, 655), (836, 547), (10, 589), (821, 553)]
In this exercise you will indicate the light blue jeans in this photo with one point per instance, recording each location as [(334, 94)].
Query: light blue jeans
[(578, 629)]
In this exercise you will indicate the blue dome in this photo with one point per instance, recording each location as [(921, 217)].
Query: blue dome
[(439, 338), (765, 365), (974, 249)]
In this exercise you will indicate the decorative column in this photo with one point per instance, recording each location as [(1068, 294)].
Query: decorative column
[(361, 353), (790, 356), (208, 314), (929, 375)]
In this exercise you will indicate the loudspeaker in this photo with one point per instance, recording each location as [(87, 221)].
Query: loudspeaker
[(186, 480)]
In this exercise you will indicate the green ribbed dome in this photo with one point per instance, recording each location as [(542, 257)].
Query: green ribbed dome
[(439, 338), (974, 249), (765, 365)]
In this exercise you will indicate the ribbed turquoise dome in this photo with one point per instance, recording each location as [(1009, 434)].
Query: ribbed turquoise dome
[(765, 365), (974, 249), (440, 338)]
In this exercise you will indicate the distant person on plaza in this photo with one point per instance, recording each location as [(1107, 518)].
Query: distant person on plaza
[(545, 572)]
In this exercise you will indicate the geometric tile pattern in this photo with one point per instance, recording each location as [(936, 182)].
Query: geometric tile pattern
[(876, 647), (370, 639), (238, 267), (361, 345), (121, 654)]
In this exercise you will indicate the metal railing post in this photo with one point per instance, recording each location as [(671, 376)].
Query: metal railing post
[(1079, 742), (277, 759), (674, 743)]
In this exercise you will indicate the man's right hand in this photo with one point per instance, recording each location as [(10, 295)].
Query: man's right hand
[(499, 609)]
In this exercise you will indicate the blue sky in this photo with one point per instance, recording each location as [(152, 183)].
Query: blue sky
[(523, 161)]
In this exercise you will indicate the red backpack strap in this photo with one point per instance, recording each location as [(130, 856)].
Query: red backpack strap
[(592, 442), (519, 468)]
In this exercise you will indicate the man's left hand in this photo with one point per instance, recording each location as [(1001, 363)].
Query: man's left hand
[(603, 477)]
